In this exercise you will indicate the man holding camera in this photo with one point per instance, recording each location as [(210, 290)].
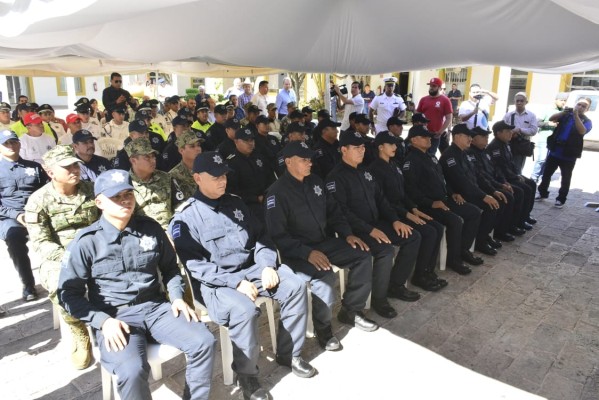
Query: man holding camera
[(525, 126), (356, 102), (475, 111)]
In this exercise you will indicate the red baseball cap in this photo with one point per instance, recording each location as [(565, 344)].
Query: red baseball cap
[(32, 118), (72, 118), (435, 82)]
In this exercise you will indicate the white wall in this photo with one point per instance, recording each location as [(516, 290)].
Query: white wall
[(419, 83), (542, 92), (46, 91), (503, 88)]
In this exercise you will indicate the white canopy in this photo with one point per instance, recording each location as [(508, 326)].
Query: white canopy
[(256, 37)]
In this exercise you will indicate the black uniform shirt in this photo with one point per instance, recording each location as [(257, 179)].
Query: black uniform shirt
[(424, 178), (268, 147), (250, 178), (389, 177), (501, 156), (484, 166), (360, 198), (459, 173), (300, 214), (327, 156), (90, 170), (215, 135)]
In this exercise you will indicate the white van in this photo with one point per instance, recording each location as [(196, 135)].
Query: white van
[(591, 139)]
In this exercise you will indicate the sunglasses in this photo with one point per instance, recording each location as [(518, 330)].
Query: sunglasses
[(119, 81)]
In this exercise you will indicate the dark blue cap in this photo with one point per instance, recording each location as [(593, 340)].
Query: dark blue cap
[(261, 119), (82, 136), (232, 123), (419, 130), (6, 135), (138, 126), (112, 182), (419, 117), (362, 119), (297, 148), (180, 121), (212, 163), (350, 138), (385, 137), (244, 134), (329, 123), (461, 128)]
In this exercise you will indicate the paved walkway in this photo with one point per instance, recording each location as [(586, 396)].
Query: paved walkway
[(528, 318)]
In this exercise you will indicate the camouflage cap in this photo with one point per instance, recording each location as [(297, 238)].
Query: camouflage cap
[(188, 137), (139, 146), (62, 155)]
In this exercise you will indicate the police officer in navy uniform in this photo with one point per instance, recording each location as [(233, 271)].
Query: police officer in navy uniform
[(502, 158), (170, 156), (460, 175), (373, 220), (251, 174), (426, 185), (227, 146), (84, 147), (301, 217), (507, 219), (216, 134), (362, 124), (267, 145), (327, 147), (295, 132), (110, 279), (395, 127), (389, 177), (232, 261), (19, 178)]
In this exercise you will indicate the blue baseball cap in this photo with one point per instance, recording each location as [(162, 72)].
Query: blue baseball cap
[(210, 162), (6, 135), (83, 136), (112, 182)]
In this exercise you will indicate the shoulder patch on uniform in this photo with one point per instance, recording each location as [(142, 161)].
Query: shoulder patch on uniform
[(496, 153), (176, 231), (270, 202), (184, 205), (318, 153), (331, 188), (451, 162), (231, 156), (406, 165)]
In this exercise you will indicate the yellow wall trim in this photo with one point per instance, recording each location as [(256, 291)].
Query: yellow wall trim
[(468, 80), (565, 82), (494, 87), (30, 86), (528, 84), (60, 92)]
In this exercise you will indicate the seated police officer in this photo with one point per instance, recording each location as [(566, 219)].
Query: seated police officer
[(300, 216), (91, 164), (327, 147), (388, 176), (231, 262), (110, 280), (373, 220), (461, 177), (502, 158), (485, 172), (426, 185)]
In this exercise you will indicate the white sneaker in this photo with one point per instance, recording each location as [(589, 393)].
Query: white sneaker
[(559, 204), (538, 197)]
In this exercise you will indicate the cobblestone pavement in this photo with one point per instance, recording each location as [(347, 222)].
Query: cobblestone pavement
[(528, 317)]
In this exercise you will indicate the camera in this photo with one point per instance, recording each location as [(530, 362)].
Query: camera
[(479, 96), (342, 89), (568, 109)]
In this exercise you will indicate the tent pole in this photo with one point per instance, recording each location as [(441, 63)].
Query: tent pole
[(327, 93), (71, 93)]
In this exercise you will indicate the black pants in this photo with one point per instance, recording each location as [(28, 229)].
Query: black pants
[(15, 236), (505, 214), (387, 272), (431, 234), (529, 188), (461, 224), (566, 168), (487, 221)]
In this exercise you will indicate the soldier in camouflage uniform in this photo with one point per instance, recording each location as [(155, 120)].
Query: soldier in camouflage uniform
[(189, 147), (156, 193), (53, 215)]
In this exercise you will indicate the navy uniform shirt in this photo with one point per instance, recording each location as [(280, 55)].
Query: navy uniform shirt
[(460, 175), (170, 156), (250, 178), (389, 177), (121, 160), (360, 198), (215, 135), (268, 147), (424, 178), (301, 214), (226, 148), (326, 157), (117, 268), (18, 180), (218, 239), (484, 167), (501, 157), (90, 170)]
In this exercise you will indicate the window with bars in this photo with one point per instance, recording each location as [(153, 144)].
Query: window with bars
[(585, 80), (61, 86)]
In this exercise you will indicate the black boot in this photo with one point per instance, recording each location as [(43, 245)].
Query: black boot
[(251, 388)]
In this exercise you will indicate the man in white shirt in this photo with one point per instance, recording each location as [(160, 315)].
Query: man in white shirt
[(356, 102), (117, 128), (475, 111), (385, 106), (35, 144), (526, 126), (260, 99)]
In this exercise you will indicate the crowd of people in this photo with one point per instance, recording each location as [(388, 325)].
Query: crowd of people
[(251, 198)]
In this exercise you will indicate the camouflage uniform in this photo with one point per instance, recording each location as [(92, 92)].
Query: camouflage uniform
[(182, 175), (52, 221), (158, 196)]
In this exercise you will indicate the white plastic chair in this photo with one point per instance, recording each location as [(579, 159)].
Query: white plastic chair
[(55, 316), (107, 147), (226, 346), (443, 251)]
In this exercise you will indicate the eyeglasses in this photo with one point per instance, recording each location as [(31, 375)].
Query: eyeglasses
[(119, 81)]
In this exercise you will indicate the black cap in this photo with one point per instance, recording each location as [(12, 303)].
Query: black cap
[(385, 137), (110, 183), (172, 100), (154, 102), (84, 101), (501, 125), (119, 109), (232, 123), (352, 116), (329, 123), (4, 106), (138, 126), (229, 105), (477, 130), (296, 114), (261, 119), (461, 128), (82, 135), (395, 121), (143, 114), (324, 113), (220, 109), (307, 109), (184, 112), (297, 148), (362, 119), (253, 109), (419, 130), (212, 163), (180, 121), (145, 105), (419, 117), (202, 105), (83, 109), (295, 127), (45, 107), (348, 138), (244, 134), (24, 106)]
